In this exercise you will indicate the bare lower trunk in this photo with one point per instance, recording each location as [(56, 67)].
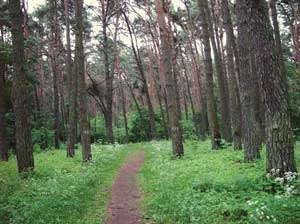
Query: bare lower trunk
[(251, 128), (72, 124), (280, 142), (80, 72), (211, 102), (3, 145), (175, 129), (109, 127), (222, 82), (235, 103), (23, 132)]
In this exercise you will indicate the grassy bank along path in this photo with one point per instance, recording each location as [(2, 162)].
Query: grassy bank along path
[(213, 187), (61, 190)]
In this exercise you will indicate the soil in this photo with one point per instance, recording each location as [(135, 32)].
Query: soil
[(123, 206)]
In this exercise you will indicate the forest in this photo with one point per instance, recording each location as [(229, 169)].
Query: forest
[(150, 111)]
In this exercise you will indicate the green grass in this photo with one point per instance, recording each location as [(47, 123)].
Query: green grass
[(210, 187), (61, 190)]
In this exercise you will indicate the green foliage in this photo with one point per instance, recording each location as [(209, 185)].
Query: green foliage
[(139, 126), (60, 190), (5, 52), (211, 186), (294, 90)]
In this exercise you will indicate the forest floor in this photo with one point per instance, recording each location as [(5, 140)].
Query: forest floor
[(205, 186), (123, 207)]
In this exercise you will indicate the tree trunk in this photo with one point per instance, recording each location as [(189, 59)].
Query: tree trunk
[(109, 77), (124, 113), (54, 68), (175, 129), (280, 142), (211, 102), (72, 124), (251, 130), (80, 72), (235, 103), (21, 85), (277, 35), (3, 145), (222, 82), (109, 126)]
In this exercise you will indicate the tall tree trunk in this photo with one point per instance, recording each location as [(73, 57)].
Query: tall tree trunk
[(124, 113), (109, 76), (280, 142), (72, 124), (175, 129), (80, 72), (235, 103), (72, 90), (222, 82), (211, 102), (21, 84), (277, 35), (250, 129), (54, 65), (3, 145)]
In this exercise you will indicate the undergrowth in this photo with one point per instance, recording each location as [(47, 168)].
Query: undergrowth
[(211, 186), (61, 190)]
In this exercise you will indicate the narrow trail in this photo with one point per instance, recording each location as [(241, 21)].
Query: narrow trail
[(123, 205)]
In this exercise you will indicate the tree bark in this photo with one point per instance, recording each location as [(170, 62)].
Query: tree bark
[(211, 102), (280, 142), (3, 145), (54, 65), (175, 129), (80, 72), (251, 130), (235, 103), (222, 82), (24, 149)]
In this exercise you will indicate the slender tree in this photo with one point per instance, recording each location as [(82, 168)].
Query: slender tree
[(235, 103), (21, 99), (72, 88), (54, 35), (221, 77), (175, 129), (82, 90), (3, 147), (211, 102)]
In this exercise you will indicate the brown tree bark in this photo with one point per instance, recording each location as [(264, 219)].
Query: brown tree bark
[(277, 35), (24, 149), (54, 65), (280, 142), (3, 145), (72, 89), (221, 78), (251, 130), (234, 94), (175, 129), (82, 90), (211, 102)]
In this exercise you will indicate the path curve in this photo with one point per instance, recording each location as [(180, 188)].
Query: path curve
[(125, 195)]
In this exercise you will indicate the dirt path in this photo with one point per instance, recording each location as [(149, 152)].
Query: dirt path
[(123, 205)]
